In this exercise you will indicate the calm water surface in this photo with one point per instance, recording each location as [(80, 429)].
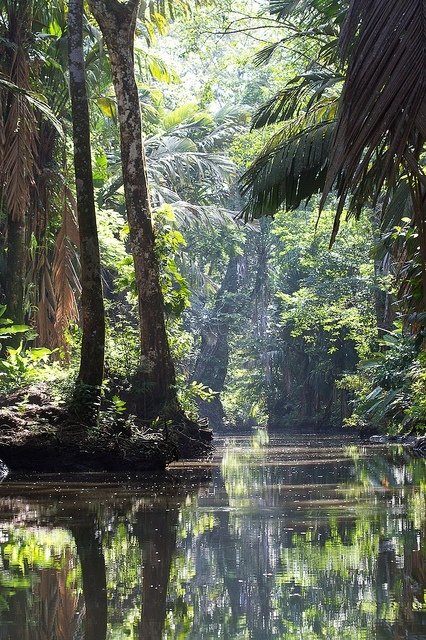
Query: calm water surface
[(296, 538)]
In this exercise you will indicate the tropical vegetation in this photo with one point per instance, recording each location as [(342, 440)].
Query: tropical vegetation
[(144, 149)]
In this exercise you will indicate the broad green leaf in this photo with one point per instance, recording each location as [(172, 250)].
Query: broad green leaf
[(14, 329), (107, 106), (38, 353)]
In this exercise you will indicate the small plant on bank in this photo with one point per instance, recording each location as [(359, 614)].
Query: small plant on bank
[(188, 394), (20, 365)]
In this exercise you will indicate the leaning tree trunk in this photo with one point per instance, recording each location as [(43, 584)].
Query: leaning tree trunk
[(117, 22), (92, 305)]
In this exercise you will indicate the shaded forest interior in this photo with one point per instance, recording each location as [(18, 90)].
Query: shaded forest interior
[(194, 223)]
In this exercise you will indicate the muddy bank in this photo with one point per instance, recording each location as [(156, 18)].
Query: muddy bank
[(38, 434)]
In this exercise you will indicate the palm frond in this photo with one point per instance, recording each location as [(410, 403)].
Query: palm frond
[(264, 56), (66, 283), (46, 306), (300, 94), (177, 162), (399, 206), (35, 100), (292, 166), (287, 173), (19, 131), (384, 99), (328, 9), (174, 164)]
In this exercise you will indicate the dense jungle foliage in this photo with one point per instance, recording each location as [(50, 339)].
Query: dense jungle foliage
[(249, 250)]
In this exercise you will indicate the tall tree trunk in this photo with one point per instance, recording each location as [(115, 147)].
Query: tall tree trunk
[(261, 298), (212, 362), (92, 305), (385, 312), (117, 22), (18, 166)]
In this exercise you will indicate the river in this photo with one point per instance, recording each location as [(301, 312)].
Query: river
[(298, 537)]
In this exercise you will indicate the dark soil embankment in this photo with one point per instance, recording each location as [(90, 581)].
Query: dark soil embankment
[(37, 434)]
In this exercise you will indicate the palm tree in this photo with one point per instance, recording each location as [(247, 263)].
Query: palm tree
[(293, 164), (18, 139), (185, 163), (364, 140), (33, 190)]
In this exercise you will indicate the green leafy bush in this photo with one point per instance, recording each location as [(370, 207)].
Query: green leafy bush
[(389, 388), (19, 365)]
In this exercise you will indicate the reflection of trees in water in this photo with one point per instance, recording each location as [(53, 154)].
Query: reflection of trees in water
[(123, 548), (155, 530), (401, 559), (51, 608), (92, 563), (303, 575), (242, 560)]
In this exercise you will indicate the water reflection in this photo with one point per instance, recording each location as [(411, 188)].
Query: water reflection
[(281, 539)]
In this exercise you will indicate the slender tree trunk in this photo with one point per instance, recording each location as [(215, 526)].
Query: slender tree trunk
[(117, 23), (18, 165), (385, 313), (92, 305), (418, 194), (16, 269), (261, 297)]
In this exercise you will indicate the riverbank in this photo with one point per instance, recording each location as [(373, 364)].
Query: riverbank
[(40, 434), (415, 444)]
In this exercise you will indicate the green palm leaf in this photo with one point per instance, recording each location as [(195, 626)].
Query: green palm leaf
[(288, 172)]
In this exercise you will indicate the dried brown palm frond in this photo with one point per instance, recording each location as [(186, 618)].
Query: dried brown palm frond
[(383, 106), (46, 306), (18, 161), (18, 130), (65, 281)]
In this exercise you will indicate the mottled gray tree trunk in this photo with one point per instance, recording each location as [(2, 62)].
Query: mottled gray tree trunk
[(117, 22), (92, 305)]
